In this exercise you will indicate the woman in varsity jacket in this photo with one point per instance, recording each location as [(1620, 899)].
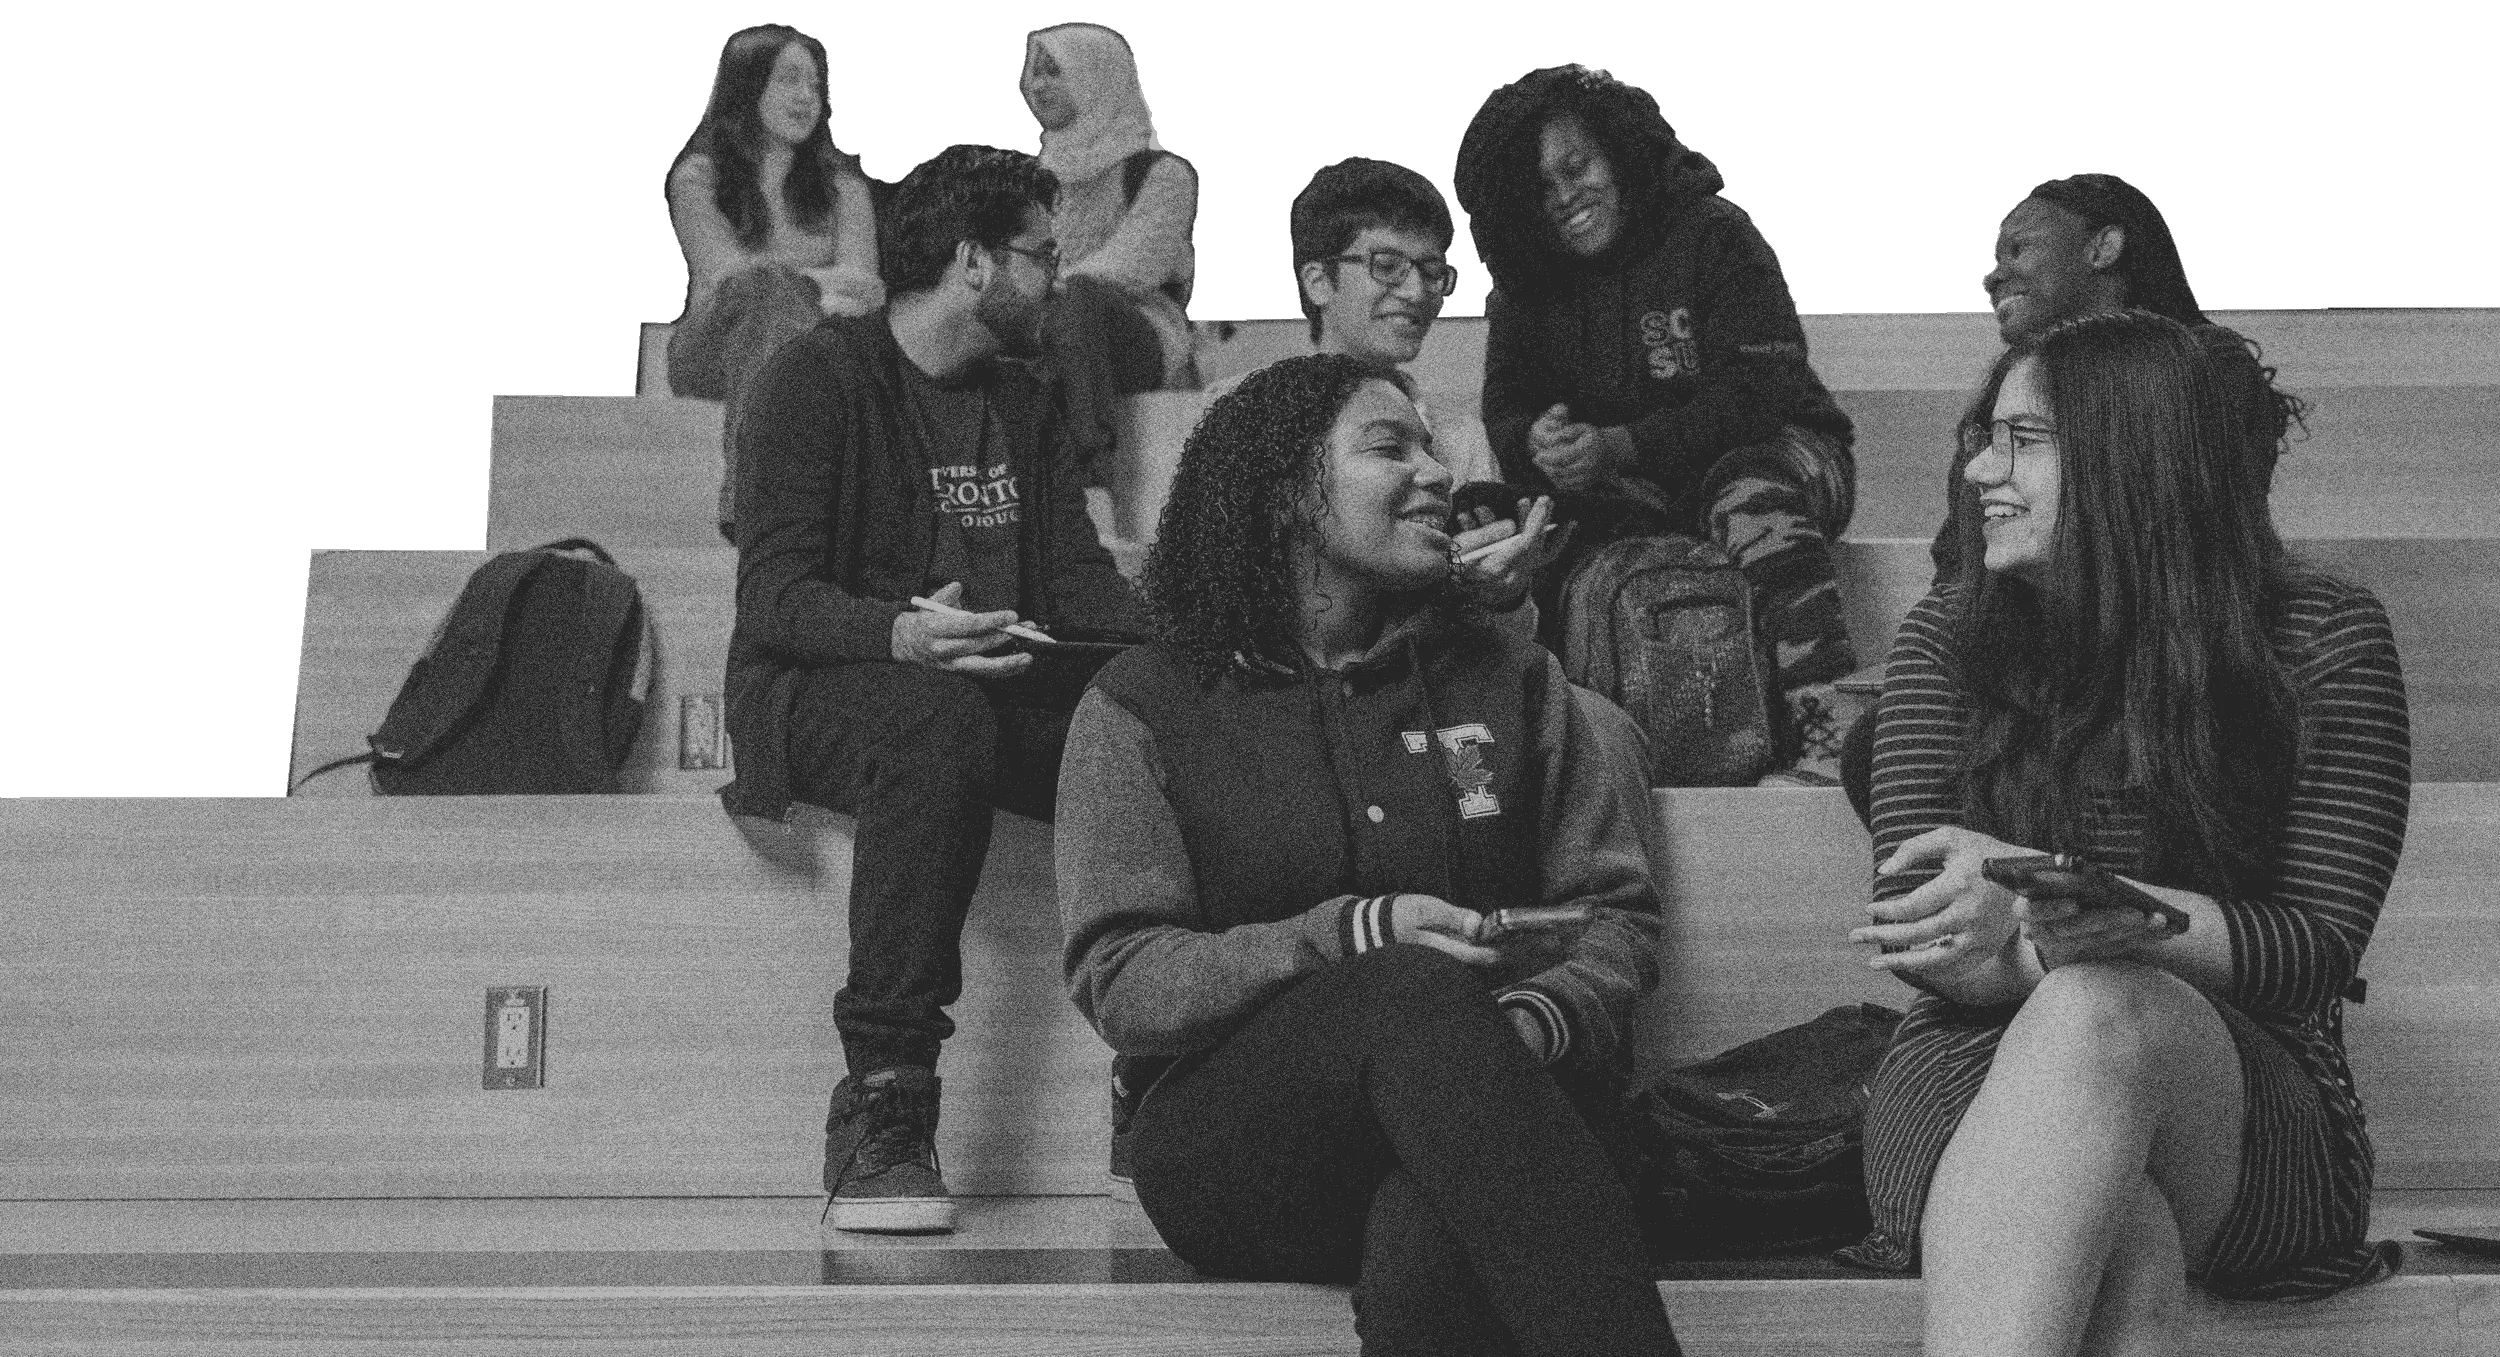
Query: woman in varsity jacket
[(1282, 829), (2090, 1107)]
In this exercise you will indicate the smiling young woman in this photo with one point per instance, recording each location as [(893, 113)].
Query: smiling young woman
[(777, 224), (1281, 827), (2084, 1112)]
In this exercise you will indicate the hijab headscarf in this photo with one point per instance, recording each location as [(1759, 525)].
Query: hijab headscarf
[(1100, 76)]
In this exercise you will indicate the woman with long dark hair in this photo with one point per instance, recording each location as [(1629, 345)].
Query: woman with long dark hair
[(2089, 1106), (1285, 831), (777, 223)]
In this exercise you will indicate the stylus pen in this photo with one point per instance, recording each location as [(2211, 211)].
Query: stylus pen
[(1018, 629)]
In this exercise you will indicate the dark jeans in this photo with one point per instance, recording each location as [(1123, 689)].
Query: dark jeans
[(717, 348), (1381, 1123), (919, 757), (1101, 349)]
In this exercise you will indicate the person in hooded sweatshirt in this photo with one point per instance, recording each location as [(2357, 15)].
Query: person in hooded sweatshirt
[(1126, 208), (1644, 360), (1285, 828)]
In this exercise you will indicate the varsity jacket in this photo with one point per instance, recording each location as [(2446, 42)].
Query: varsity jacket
[(837, 528), (1684, 334), (1217, 842)]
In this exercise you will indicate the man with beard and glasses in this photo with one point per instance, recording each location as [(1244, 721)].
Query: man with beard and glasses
[(884, 457)]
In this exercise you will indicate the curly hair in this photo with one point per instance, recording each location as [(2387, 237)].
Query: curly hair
[(1219, 582), (963, 193), (732, 135), (1499, 186)]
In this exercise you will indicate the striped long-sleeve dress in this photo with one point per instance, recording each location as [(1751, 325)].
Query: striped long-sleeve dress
[(2296, 1227)]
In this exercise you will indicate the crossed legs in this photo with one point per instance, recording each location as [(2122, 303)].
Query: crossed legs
[(2090, 1173)]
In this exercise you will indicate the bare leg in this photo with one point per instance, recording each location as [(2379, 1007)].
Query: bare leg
[(2143, 1286), (2109, 1074)]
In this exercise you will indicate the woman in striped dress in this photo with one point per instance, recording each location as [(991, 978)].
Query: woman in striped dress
[(2083, 1111)]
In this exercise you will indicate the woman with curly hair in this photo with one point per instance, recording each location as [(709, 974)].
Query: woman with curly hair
[(1285, 830), (778, 226), (2091, 1106), (1643, 358)]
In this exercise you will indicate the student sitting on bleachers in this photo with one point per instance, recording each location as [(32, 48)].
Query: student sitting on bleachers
[(2088, 1107), (1126, 210), (2074, 247), (1642, 356), (882, 457), (1283, 826), (777, 224), (2093, 242)]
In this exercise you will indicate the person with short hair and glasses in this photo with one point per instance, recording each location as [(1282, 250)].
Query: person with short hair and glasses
[(882, 459)]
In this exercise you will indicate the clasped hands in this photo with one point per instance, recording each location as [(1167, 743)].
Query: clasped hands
[(1577, 456), (1950, 927)]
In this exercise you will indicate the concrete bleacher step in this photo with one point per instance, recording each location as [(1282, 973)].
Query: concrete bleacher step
[(369, 614), (274, 998), (2378, 461)]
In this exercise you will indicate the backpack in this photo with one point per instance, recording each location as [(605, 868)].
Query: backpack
[(1133, 171), (534, 683), (1663, 625), (1760, 1149)]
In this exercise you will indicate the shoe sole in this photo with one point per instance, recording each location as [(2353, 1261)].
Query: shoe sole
[(892, 1215)]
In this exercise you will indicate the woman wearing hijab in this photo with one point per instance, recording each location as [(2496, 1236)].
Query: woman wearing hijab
[(776, 223), (1126, 208)]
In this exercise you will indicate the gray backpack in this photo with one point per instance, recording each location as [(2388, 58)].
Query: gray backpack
[(1664, 626)]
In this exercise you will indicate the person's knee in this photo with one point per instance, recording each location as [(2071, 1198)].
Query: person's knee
[(2119, 1018), (938, 727)]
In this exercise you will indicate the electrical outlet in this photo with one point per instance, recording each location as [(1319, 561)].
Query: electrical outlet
[(516, 1037), (700, 741)]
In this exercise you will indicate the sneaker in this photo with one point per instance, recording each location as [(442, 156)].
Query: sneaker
[(881, 1169), (1123, 1175)]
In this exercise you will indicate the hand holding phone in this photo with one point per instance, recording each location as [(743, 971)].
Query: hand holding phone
[(2064, 876)]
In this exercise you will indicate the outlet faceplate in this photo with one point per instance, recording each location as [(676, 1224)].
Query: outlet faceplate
[(701, 743), (516, 1037)]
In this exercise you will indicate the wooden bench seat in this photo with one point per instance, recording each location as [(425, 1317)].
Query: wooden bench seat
[(2379, 461), (369, 614), (273, 998)]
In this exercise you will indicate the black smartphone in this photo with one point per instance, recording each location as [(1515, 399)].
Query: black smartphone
[(1502, 923), (2483, 1239), (2064, 876)]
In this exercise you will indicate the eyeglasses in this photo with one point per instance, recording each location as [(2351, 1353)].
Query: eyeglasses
[(1047, 256), (1389, 269), (2011, 436)]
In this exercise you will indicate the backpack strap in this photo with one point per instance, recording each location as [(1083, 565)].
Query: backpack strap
[(448, 683), (366, 757), (609, 604), (1133, 172)]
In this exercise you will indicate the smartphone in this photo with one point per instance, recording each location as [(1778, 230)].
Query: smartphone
[(2064, 876), (1502, 923), (2484, 1239)]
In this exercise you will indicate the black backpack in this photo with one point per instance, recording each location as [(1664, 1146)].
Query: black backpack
[(1664, 626), (1760, 1149), (534, 683)]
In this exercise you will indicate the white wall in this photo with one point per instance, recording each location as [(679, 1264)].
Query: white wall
[(271, 260)]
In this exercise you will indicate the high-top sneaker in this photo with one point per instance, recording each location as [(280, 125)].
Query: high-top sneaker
[(881, 1168)]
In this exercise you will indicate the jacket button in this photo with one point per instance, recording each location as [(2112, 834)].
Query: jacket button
[(1377, 814)]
